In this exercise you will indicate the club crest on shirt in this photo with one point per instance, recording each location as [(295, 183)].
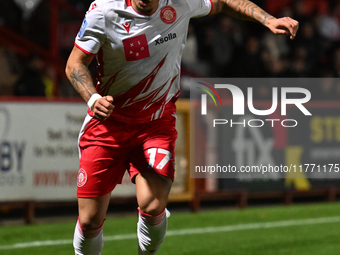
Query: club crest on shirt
[(82, 178), (168, 14), (82, 29)]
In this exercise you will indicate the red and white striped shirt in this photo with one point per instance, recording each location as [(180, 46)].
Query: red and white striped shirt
[(138, 56)]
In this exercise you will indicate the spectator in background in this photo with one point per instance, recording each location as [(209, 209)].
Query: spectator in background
[(8, 72), (225, 37), (328, 25), (31, 81), (203, 33), (49, 78), (217, 54), (190, 59), (300, 67), (279, 68), (276, 46), (309, 40), (248, 63)]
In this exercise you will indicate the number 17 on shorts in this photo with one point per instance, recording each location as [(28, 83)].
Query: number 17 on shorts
[(163, 157)]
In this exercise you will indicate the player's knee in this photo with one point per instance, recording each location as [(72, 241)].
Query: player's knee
[(88, 223), (153, 208)]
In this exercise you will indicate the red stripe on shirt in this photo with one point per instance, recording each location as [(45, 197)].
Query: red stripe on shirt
[(83, 50), (212, 6)]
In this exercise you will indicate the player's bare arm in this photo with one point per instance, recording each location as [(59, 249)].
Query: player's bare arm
[(247, 10), (80, 77)]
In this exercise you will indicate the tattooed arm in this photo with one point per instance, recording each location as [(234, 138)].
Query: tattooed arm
[(79, 75), (247, 10)]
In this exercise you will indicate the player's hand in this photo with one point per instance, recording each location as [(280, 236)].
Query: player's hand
[(283, 26), (103, 108)]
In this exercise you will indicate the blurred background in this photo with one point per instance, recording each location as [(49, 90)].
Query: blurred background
[(38, 35), (39, 163)]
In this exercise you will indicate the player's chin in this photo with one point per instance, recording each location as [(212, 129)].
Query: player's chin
[(144, 7)]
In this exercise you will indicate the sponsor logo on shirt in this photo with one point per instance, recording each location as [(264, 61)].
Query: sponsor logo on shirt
[(166, 38), (93, 6), (126, 26), (168, 14), (82, 29), (136, 48)]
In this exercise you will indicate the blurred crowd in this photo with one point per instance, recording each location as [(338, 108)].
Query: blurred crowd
[(217, 46), (220, 46)]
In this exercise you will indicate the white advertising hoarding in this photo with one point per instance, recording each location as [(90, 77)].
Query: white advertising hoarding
[(39, 152)]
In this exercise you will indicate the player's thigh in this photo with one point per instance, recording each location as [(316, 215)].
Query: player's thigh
[(152, 166), (92, 211), (101, 169), (152, 191), (155, 151)]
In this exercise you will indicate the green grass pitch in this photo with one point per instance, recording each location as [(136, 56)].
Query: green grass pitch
[(309, 229)]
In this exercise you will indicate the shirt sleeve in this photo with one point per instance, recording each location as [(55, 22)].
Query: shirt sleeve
[(91, 35), (200, 8)]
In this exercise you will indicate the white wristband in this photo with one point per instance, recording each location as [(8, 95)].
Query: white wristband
[(93, 99)]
